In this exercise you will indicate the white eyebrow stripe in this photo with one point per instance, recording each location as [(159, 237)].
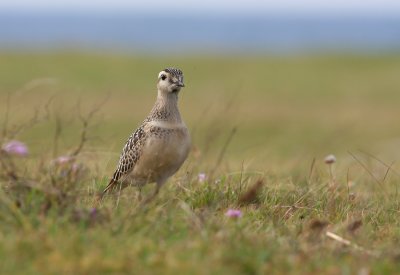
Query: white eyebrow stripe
[(162, 72)]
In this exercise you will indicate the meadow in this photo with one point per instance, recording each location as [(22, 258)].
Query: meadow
[(261, 128)]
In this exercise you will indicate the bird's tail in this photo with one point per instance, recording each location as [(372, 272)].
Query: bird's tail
[(110, 186)]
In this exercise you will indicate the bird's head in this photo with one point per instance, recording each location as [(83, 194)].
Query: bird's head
[(170, 80)]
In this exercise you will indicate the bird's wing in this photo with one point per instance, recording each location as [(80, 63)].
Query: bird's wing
[(129, 157)]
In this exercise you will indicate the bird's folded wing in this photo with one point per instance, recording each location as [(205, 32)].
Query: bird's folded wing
[(129, 157)]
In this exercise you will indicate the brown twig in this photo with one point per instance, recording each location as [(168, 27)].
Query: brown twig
[(223, 150), (387, 171), (17, 129), (57, 134), (347, 182), (311, 170), (241, 178), (85, 120), (46, 107), (365, 168), (390, 167), (5, 122), (9, 168), (346, 242)]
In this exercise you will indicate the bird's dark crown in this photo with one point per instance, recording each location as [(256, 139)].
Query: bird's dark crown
[(174, 71)]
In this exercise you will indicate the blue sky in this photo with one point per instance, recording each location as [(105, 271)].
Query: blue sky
[(373, 7)]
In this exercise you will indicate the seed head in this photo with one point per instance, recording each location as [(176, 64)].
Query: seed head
[(330, 159)]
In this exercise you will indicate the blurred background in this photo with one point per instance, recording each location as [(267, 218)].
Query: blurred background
[(297, 79), (176, 27)]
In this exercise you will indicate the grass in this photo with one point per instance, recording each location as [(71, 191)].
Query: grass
[(288, 112)]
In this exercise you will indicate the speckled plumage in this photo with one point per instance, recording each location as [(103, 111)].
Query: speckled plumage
[(130, 153), (157, 149)]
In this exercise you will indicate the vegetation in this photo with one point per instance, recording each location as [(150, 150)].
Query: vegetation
[(261, 128)]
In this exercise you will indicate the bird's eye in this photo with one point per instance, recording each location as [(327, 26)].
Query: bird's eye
[(163, 77)]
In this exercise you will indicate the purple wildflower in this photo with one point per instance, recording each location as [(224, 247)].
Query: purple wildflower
[(201, 177), (233, 213), (15, 147), (93, 212)]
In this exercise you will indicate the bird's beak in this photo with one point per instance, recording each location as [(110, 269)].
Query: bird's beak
[(180, 84)]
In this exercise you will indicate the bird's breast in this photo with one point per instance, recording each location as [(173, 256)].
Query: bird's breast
[(169, 143), (165, 149)]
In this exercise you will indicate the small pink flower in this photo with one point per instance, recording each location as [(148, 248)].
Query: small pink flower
[(15, 147), (75, 167), (201, 177), (63, 160), (233, 213)]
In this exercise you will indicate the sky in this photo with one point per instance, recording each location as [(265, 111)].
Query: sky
[(371, 7)]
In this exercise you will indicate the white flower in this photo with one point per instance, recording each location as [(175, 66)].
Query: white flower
[(329, 159)]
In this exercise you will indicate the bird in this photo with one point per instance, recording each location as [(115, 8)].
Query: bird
[(159, 146)]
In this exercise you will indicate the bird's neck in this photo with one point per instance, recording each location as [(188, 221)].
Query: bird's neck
[(166, 108)]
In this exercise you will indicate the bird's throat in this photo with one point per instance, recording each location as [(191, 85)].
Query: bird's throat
[(167, 105)]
